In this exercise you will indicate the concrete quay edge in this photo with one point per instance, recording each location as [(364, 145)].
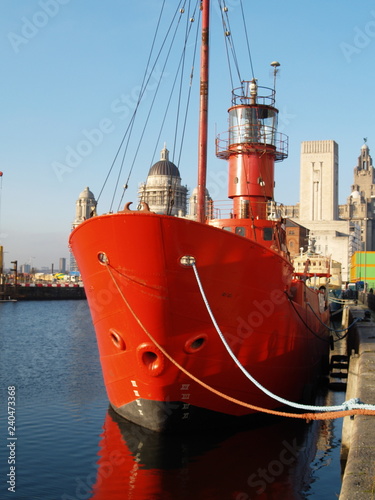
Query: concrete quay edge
[(358, 435)]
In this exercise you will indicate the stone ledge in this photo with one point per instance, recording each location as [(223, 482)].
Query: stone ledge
[(358, 439)]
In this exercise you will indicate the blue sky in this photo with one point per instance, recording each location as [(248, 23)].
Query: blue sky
[(70, 70)]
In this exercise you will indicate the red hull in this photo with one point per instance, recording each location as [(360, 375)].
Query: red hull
[(143, 288)]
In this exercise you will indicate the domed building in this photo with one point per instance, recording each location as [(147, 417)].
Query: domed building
[(163, 191), (193, 204), (85, 208)]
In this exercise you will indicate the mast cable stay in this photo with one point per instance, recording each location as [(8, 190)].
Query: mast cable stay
[(226, 45), (229, 38), (182, 64), (247, 40), (142, 91), (156, 92), (190, 86), (134, 113), (165, 116), (144, 86), (189, 23), (171, 93)]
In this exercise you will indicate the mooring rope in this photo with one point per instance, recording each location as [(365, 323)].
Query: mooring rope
[(303, 416), (352, 403), (341, 301), (330, 328)]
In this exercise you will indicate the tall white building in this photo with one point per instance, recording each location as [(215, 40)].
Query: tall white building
[(319, 180), (318, 207)]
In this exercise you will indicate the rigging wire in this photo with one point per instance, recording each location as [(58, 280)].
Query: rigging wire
[(188, 30), (183, 58), (229, 38), (144, 86), (172, 93), (222, 7), (145, 82), (187, 101), (247, 40), (172, 187), (135, 111), (156, 91), (190, 87)]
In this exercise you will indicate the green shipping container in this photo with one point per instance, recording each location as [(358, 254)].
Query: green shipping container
[(362, 269)]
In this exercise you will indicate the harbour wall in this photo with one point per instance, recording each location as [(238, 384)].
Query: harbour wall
[(358, 435), (43, 292)]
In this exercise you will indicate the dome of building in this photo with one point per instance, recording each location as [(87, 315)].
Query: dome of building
[(86, 193), (164, 166), (195, 192), (356, 195)]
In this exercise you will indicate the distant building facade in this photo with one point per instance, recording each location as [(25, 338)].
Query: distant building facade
[(319, 181), (297, 237), (62, 265), (360, 206), (85, 208), (25, 268), (318, 209), (193, 205)]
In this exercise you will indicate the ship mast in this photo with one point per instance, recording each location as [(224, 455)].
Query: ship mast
[(203, 113)]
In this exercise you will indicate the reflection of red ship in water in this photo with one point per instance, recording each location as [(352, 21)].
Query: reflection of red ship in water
[(153, 329), (138, 464)]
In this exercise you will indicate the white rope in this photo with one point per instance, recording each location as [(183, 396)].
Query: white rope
[(341, 301), (351, 404)]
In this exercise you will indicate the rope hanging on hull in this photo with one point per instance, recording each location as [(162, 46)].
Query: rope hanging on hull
[(355, 407), (353, 403)]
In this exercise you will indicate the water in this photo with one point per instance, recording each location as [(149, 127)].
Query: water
[(70, 446)]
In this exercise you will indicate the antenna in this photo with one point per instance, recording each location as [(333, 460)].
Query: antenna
[(275, 66)]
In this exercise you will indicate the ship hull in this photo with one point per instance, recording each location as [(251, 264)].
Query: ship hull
[(156, 340)]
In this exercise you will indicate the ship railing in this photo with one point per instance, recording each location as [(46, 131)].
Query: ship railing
[(252, 139), (223, 209), (242, 95)]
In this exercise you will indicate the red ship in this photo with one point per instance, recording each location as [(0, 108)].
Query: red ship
[(160, 288)]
